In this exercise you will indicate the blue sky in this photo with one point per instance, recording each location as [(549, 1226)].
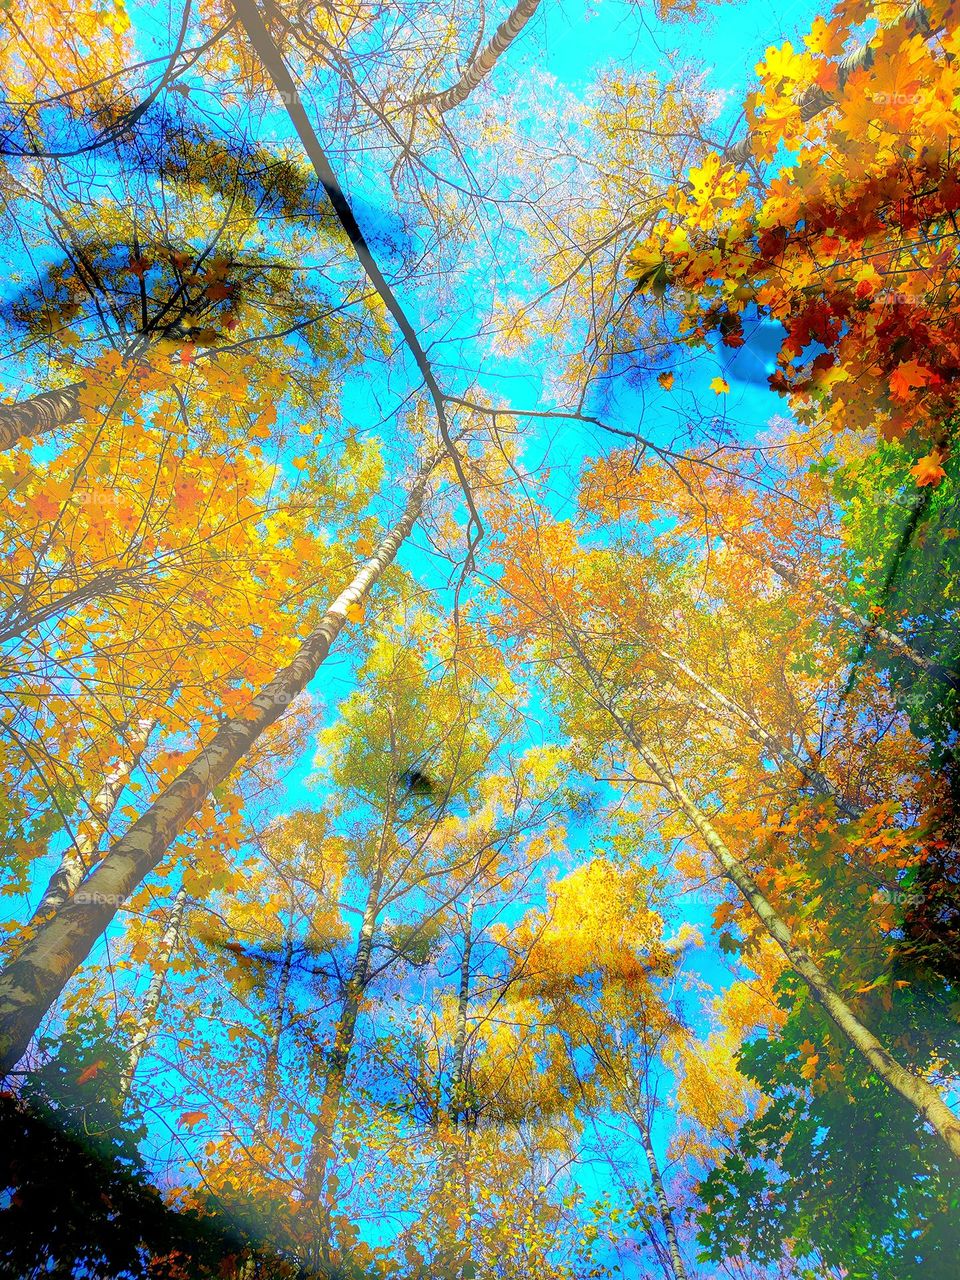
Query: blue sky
[(572, 46)]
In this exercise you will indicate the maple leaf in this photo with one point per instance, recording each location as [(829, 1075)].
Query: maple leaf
[(186, 493), (140, 266), (822, 38), (666, 380), (907, 377), (190, 1119), (809, 1068), (780, 64), (92, 1071), (218, 290), (720, 386), (724, 912), (47, 508), (260, 428), (929, 470), (355, 612)]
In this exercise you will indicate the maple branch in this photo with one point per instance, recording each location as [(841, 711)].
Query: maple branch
[(813, 100), (276, 68)]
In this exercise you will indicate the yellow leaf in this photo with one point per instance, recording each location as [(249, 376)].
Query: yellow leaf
[(720, 386), (355, 612)]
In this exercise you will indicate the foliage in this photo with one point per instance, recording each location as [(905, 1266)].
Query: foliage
[(849, 245), (839, 1168), (471, 813)]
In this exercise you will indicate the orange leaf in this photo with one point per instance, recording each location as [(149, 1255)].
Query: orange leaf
[(45, 506), (355, 612), (91, 1072), (724, 912), (190, 1119), (260, 430), (907, 377), (665, 380), (928, 470)]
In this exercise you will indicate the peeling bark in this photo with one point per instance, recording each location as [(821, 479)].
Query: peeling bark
[(75, 860), (484, 62), (148, 1014), (39, 414)]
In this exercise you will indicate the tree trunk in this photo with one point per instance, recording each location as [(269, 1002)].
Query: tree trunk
[(483, 63), (663, 1203), (869, 630), (321, 1149), (272, 1061), (39, 414), (30, 984), (918, 1092), (764, 737), (75, 858), (148, 1014), (914, 1089), (459, 1254), (458, 1107)]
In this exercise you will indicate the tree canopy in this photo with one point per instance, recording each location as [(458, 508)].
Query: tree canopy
[(480, 687)]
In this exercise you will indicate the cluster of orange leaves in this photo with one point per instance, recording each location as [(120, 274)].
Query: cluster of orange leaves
[(852, 243)]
